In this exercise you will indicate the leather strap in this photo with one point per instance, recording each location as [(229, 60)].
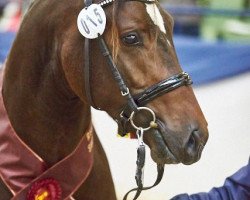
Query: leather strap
[(87, 67), (117, 76), (163, 87), (87, 73), (160, 172)]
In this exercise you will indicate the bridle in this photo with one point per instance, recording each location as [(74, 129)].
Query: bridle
[(135, 103)]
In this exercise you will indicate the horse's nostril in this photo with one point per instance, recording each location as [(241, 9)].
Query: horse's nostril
[(191, 144), (192, 147)]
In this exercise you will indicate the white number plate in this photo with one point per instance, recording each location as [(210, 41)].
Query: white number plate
[(91, 21)]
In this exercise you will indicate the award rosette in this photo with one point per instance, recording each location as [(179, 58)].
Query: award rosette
[(46, 189)]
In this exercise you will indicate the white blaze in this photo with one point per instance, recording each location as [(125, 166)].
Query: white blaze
[(156, 17)]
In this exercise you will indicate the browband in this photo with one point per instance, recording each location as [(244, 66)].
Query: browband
[(104, 3)]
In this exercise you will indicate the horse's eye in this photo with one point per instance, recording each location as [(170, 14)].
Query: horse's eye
[(131, 39)]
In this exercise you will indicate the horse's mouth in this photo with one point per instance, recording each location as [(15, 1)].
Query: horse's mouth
[(164, 150), (160, 151)]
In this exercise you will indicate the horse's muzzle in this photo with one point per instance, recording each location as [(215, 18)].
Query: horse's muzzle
[(168, 147)]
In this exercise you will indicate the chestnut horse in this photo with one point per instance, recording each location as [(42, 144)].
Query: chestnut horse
[(44, 88)]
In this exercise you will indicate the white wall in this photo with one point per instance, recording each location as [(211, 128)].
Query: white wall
[(226, 105)]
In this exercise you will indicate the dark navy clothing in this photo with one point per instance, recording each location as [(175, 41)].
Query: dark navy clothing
[(236, 187)]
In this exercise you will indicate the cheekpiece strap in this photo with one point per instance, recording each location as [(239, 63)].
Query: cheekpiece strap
[(117, 76), (87, 66)]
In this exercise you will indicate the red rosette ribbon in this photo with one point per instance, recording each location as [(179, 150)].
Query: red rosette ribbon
[(46, 189)]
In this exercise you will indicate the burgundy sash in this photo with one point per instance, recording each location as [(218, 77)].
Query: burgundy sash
[(21, 168)]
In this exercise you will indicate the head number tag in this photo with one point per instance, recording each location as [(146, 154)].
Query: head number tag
[(91, 21)]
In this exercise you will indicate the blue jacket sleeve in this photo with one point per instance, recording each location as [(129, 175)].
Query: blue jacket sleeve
[(236, 187)]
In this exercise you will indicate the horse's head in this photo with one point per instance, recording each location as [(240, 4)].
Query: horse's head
[(139, 35)]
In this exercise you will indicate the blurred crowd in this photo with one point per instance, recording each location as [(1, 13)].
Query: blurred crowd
[(188, 25), (213, 19), (212, 27), (10, 14)]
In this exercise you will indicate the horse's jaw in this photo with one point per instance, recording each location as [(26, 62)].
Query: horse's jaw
[(160, 152)]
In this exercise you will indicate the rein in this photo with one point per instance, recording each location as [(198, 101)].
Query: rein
[(135, 103)]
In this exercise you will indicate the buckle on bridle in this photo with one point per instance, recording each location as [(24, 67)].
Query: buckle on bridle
[(125, 93)]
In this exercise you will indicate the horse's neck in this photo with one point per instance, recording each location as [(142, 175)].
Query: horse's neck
[(43, 114), (46, 119), (42, 108)]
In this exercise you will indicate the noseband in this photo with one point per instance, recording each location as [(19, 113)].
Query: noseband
[(135, 103)]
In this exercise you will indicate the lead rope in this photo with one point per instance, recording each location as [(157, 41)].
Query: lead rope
[(140, 162), (160, 171)]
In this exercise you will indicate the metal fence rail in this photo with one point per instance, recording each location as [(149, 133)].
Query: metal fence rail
[(204, 11)]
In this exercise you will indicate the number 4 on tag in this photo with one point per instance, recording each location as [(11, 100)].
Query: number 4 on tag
[(91, 21)]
